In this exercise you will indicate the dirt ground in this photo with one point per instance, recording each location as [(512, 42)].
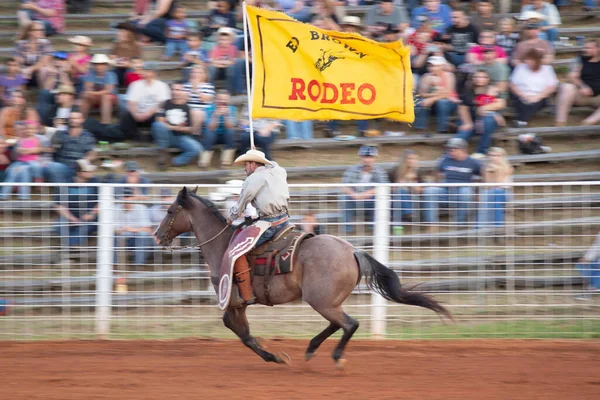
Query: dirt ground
[(213, 369)]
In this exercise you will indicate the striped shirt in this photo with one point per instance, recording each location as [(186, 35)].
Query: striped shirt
[(31, 55), (194, 100)]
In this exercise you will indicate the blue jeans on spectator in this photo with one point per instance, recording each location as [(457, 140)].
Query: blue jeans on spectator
[(488, 125), (21, 172), (299, 129), (175, 46), (591, 4), (456, 59), (492, 207), (230, 76), (76, 234), (443, 110), (155, 30), (551, 35), (60, 173), (591, 272), (139, 242), (351, 208), (261, 142), (458, 198), (402, 205), (45, 101), (361, 125), (240, 81), (221, 135), (164, 138)]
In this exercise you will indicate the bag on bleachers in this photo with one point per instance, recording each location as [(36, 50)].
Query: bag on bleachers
[(529, 143)]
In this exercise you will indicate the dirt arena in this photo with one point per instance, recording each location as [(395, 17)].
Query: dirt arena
[(223, 369)]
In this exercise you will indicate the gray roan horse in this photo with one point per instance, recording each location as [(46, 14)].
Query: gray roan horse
[(326, 270)]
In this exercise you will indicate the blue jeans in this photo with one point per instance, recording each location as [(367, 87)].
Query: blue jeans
[(175, 46), (21, 172), (60, 173), (299, 129), (591, 272), (139, 242), (272, 231), (221, 135), (76, 234), (550, 35), (488, 125), (458, 198), (262, 142), (155, 30), (443, 110), (351, 208), (240, 75), (230, 76), (455, 58), (45, 100), (492, 207), (361, 125), (402, 205), (164, 138)]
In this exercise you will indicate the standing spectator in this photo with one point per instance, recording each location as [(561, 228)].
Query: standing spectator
[(51, 13), (484, 19), (132, 178), (589, 267), (403, 198), (493, 200), (384, 14), (506, 37), (70, 146), (144, 98), (531, 40), (173, 128), (439, 15), (479, 111), (11, 80), (437, 90), (223, 59), (487, 41), (125, 49), (220, 17), (134, 229), (33, 53), (79, 60), (17, 111), (454, 167), (531, 83), (153, 25), (220, 124), (361, 200), (459, 36), (100, 89), (177, 31), (583, 87), (200, 93), (195, 54), (551, 22), (498, 71)]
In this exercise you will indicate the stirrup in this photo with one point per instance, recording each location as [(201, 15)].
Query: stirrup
[(249, 302)]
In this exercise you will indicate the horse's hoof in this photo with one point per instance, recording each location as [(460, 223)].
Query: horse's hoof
[(283, 358), (308, 356), (340, 363)]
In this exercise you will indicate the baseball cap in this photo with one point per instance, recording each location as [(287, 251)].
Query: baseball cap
[(131, 166), (368, 151), (456, 143)]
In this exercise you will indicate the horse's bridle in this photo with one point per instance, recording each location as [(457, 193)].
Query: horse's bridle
[(193, 246)]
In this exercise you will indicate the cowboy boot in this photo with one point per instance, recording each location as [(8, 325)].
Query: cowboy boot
[(227, 157), (204, 159), (241, 270)]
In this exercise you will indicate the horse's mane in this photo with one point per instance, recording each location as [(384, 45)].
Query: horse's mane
[(212, 207)]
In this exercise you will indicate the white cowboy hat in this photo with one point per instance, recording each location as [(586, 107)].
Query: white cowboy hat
[(217, 197), (81, 40), (351, 20), (530, 14), (100, 59), (436, 60), (253, 155), (225, 30)]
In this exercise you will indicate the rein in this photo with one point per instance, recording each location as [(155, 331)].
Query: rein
[(195, 245)]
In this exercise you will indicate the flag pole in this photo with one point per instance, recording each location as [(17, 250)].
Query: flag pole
[(250, 124)]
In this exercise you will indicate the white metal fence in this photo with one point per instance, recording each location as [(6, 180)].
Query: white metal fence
[(508, 268)]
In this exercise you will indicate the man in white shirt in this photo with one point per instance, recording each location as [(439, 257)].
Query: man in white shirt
[(144, 98), (134, 229)]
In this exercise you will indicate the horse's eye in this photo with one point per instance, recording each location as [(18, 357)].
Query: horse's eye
[(169, 212)]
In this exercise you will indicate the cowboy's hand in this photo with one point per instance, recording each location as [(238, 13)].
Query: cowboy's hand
[(229, 221)]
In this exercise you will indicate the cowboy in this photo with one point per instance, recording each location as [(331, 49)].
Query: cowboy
[(267, 190)]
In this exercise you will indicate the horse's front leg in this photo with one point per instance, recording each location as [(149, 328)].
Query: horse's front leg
[(235, 319)]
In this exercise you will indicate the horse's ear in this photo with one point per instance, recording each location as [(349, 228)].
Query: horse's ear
[(183, 192), (195, 190)]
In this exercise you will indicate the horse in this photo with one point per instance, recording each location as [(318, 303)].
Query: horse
[(325, 272)]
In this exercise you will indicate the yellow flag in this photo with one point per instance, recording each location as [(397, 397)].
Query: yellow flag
[(302, 72)]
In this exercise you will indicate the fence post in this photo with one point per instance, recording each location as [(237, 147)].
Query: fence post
[(381, 245), (104, 269)]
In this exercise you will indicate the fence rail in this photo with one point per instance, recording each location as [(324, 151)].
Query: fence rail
[(506, 266)]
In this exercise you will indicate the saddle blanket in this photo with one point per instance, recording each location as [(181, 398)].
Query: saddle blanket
[(279, 255)]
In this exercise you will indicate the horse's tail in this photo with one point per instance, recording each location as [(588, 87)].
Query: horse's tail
[(384, 281)]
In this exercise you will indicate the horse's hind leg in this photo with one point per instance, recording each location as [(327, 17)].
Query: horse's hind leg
[(319, 339), (339, 318), (235, 319)]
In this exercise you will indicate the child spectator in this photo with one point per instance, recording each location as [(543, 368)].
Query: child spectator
[(79, 59), (100, 89), (17, 111), (194, 55), (223, 58), (12, 80), (124, 50), (200, 96), (177, 31), (136, 72), (439, 15), (220, 17), (507, 38)]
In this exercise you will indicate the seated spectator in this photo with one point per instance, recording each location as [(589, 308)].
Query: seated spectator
[(17, 111), (124, 51), (352, 24), (173, 128), (498, 71), (297, 130), (480, 110), (457, 39), (384, 14), (177, 31), (77, 206), (219, 127), (11, 80), (422, 47), (134, 177), (79, 60), (71, 145), (493, 200), (57, 73), (200, 93), (26, 167), (330, 11), (484, 19), (549, 25), (220, 17), (223, 59), (57, 115), (297, 9), (33, 53), (153, 24), (583, 87), (506, 37), (144, 98), (455, 167), (531, 84), (135, 73), (159, 211), (589, 267), (487, 41), (403, 198), (51, 13), (133, 229), (360, 201), (100, 89), (439, 15), (531, 40), (265, 132), (195, 54), (438, 92)]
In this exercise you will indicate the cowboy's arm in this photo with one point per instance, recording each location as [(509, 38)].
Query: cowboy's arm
[(249, 191)]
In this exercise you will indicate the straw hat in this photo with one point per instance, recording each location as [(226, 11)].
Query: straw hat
[(67, 89), (81, 40), (100, 59), (253, 155)]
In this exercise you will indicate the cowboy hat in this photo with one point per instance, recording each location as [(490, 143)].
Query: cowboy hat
[(81, 40), (351, 20), (225, 30), (530, 14), (232, 187), (66, 89), (253, 155), (100, 59)]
